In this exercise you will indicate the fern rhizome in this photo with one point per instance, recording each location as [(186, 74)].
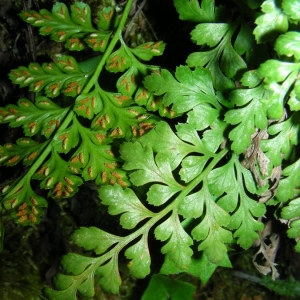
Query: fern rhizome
[(192, 158)]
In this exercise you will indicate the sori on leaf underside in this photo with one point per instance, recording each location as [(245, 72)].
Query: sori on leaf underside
[(200, 183)]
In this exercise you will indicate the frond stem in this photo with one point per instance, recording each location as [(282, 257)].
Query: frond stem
[(110, 48)]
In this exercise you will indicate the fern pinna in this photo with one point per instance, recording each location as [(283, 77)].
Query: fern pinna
[(53, 129), (198, 185)]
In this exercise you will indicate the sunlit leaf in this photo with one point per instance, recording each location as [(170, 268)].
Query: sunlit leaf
[(93, 238), (124, 202), (191, 10), (109, 276), (272, 22), (140, 258)]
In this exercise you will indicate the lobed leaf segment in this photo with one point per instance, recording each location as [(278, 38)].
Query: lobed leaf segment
[(198, 186)]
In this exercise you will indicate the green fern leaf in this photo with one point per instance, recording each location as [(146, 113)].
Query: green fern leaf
[(226, 180), (75, 264), (147, 51), (211, 230), (85, 159), (177, 247), (202, 116), (89, 104), (74, 28), (95, 239), (222, 60), (266, 27), (44, 116), (185, 91), (25, 150), (61, 294), (291, 212), (280, 82), (289, 186), (144, 97), (106, 17), (68, 284), (127, 83), (131, 208), (191, 10), (87, 287), (291, 9), (119, 61), (67, 138), (147, 169), (249, 116), (288, 44), (61, 76), (25, 205), (140, 258), (223, 179), (110, 277), (214, 137), (120, 118), (182, 181), (284, 137), (56, 175), (244, 219)]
